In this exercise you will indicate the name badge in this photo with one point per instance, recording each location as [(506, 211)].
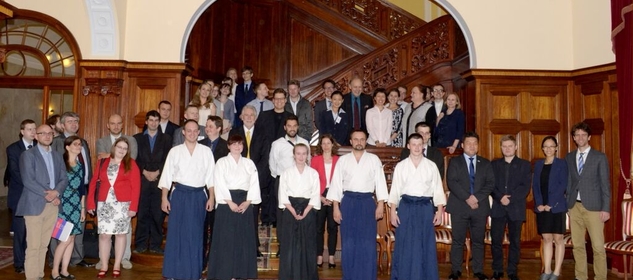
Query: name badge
[(338, 119)]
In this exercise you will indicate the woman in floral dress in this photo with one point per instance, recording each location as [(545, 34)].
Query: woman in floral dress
[(396, 124), (117, 196), (71, 207)]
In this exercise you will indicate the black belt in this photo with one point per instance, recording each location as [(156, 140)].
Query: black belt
[(578, 200)]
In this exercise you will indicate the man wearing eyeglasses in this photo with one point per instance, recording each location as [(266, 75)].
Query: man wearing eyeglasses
[(43, 174), (438, 106)]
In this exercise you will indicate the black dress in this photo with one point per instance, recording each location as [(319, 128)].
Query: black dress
[(548, 222)]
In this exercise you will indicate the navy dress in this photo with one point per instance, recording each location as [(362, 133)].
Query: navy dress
[(450, 127)]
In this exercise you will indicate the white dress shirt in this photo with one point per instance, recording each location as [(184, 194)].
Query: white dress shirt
[(281, 155), (190, 169), (421, 181), (379, 125), (364, 176), (231, 175), (304, 185)]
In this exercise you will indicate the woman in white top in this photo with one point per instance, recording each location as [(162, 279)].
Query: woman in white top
[(378, 120), (233, 252), (204, 101), (299, 196)]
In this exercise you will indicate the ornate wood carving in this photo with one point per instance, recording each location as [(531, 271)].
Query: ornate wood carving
[(363, 12), (400, 24), (431, 47)]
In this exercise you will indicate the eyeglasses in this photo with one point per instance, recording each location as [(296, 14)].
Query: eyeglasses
[(550, 147), (121, 148), (77, 144), (46, 133)]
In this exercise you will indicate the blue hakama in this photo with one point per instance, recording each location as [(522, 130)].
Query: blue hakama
[(183, 247), (415, 254), (358, 236)]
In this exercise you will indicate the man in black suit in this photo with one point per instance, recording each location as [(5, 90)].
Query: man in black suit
[(356, 104), (512, 185), (244, 93), (438, 106), (256, 148), (27, 141), (301, 108), (271, 122), (70, 123), (153, 146), (326, 103), (429, 152), (166, 126), (470, 181)]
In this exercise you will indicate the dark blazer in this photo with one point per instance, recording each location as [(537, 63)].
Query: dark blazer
[(304, 113), (431, 116), (518, 187), (13, 171), (340, 131), (260, 150), (557, 185), (266, 123), (318, 164), (152, 160), (169, 129), (433, 154), (458, 182), (127, 186), (221, 149), (36, 181), (366, 102), (319, 108), (593, 183), (241, 99)]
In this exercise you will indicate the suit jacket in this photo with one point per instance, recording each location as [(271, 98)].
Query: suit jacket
[(556, 186), (458, 182), (13, 171), (266, 123), (318, 164), (518, 187), (319, 108), (241, 99), (593, 183), (433, 154), (259, 151), (366, 102), (58, 145), (178, 138), (127, 186), (152, 160), (104, 144), (221, 149), (36, 181), (340, 131), (431, 116), (304, 113)]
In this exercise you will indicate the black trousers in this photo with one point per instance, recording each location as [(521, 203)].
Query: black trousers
[(326, 214), (475, 222), (269, 202), (19, 239), (150, 217), (497, 230)]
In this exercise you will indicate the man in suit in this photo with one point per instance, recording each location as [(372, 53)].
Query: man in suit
[(301, 108), (43, 174), (256, 148), (326, 103), (70, 124), (438, 105), (272, 121), (356, 105), (166, 126), (470, 181), (429, 152), (26, 142), (153, 146), (191, 113), (588, 201), (244, 92), (512, 185), (261, 102)]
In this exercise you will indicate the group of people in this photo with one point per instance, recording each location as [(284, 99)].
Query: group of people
[(234, 164)]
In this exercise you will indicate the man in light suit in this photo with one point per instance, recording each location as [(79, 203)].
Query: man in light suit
[(355, 101), (191, 113), (588, 201), (70, 124), (301, 108), (470, 181), (326, 103), (43, 174), (26, 142)]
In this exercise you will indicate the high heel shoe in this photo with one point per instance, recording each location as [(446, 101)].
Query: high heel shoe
[(331, 265), (102, 274), (319, 265), (116, 273)]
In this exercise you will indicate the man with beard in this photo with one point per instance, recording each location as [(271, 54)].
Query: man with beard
[(357, 176)]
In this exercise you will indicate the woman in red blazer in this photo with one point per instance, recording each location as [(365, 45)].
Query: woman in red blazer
[(324, 164), (114, 192)]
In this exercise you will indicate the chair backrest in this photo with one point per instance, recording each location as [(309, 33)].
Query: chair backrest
[(446, 218), (627, 219), (567, 222)]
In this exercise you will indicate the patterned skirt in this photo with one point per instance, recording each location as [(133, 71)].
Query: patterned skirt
[(112, 215)]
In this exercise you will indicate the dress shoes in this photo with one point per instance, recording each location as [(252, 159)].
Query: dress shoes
[(19, 269), (139, 250), (497, 275), (513, 276), (259, 254), (480, 276), (455, 275), (158, 250), (85, 264)]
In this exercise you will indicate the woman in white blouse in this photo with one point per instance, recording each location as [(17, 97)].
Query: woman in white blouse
[(378, 120), (233, 248), (299, 196)]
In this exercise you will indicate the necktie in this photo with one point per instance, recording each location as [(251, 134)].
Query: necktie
[(248, 144), (356, 114), (29, 147), (261, 106), (329, 105), (424, 152), (245, 87), (581, 163), (471, 173)]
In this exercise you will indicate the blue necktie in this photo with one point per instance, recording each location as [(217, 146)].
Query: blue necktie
[(581, 163), (471, 175)]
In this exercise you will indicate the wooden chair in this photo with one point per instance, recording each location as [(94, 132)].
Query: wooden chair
[(566, 240), (624, 247)]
